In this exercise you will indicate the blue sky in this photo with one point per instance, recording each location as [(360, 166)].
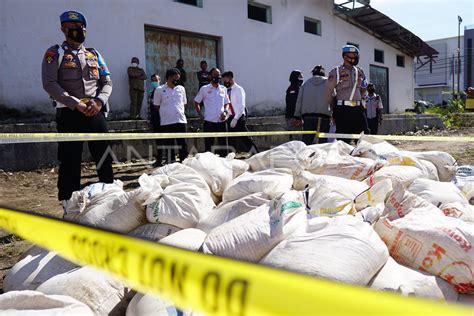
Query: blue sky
[(428, 19)]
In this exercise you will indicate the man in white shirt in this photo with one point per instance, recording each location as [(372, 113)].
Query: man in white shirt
[(170, 100), (236, 121), (216, 111)]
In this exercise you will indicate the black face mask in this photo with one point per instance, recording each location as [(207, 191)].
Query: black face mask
[(216, 79), (176, 82), (77, 34), (371, 90), (300, 82), (227, 84), (354, 61)]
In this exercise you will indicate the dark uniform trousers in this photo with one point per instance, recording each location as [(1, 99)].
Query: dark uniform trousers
[(373, 125), (70, 153), (220, 127), (315, 122), (136, 100), (243, 143), (350, 120), (168, 147)]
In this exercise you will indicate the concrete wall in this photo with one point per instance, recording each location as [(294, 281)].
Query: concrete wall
[(435, 95), (44, 154), (262, 55)]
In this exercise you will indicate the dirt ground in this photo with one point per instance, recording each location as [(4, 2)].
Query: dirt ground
[(36, 190)]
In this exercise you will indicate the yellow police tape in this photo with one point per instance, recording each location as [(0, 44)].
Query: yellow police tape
[(19, 138), (210, 284)]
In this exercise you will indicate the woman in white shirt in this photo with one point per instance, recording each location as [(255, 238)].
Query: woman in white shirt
[(170, 100)]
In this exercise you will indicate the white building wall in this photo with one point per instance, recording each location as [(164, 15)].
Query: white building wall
[(261, 55)]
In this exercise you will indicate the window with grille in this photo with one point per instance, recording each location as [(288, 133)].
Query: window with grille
[(400, 61), (312, 26), (259, 12), (379, 56)]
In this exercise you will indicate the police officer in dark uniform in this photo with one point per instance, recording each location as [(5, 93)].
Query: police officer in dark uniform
[(349, 83), (296, 80), (78, 81)]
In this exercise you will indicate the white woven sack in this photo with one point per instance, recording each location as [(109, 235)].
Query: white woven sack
[(20, 303), (403, 174), (90, 286), (432, 243), (444, 162), (228, 211), (252, 235), (397, 278), (95, 201), (462, 211), (343, 165), (343, 249), (177, 203), (124, 218), (36, 267), (154, 232), (437, 193), (216, 171), (328, 198), (189, 238), (272, 182), (283, 156)]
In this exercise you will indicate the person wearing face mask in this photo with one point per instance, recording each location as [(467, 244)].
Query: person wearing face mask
[(348, 83), (312, 109), (136, 81), (236, 121), (170, 100), (374, 109), (78, 81), (296, 80), (216, 111)]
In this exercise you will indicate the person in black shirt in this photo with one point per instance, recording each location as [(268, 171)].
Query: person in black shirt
[(203, 76), (296, 80), (182, 72)]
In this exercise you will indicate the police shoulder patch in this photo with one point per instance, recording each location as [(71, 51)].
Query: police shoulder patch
[(50, 56)]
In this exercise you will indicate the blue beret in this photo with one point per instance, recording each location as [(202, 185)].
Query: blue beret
[(73, 16), (350, 49)]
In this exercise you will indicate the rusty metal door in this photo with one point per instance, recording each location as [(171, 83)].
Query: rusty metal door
[(379, 77), (163, 48)]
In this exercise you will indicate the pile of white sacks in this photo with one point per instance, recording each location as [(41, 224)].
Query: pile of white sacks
[(371, 215)]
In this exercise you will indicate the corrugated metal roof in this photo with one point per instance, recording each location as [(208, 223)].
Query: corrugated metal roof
[(384, 28)]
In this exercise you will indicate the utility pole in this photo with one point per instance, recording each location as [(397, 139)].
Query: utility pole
[(453, 67), (459, 55)]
